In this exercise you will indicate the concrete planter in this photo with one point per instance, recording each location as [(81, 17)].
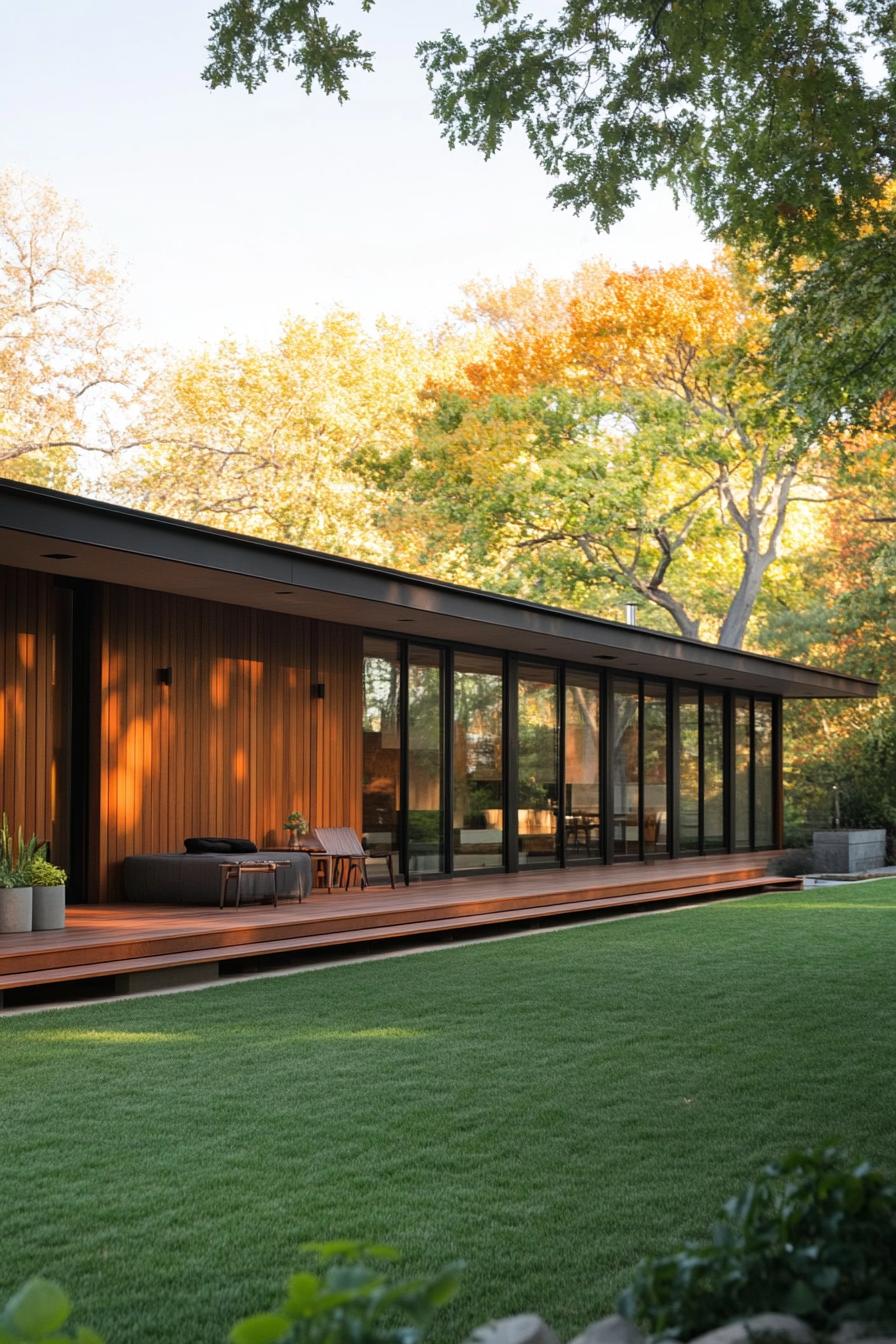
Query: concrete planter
[(48, 908), (848, 851), (15, 909)]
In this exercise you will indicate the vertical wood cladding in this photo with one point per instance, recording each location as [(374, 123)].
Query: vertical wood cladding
[(235, 742), (26, 700)]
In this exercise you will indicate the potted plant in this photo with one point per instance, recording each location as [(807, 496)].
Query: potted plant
[(47, 894), (15, 885), (297, 826)]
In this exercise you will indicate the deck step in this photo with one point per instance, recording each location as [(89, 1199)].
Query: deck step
[(115, 964)]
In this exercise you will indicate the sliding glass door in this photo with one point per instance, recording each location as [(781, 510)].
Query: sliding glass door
[(655, 755), (581, 759), (701, 771), (625, 770), (381, 722), (425, 761), (477, 826), (538, 765)]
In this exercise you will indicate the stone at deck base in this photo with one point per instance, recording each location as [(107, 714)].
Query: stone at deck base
[(848, 851)]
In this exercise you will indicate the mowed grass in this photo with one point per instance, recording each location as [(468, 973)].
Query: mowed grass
[(549, 1108)]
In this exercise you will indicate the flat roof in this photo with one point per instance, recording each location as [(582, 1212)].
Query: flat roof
[(112, 544)]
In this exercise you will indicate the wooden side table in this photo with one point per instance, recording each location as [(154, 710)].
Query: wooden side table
[(317, 856)]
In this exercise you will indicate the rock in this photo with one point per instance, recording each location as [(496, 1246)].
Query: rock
[(611, 1330), (767, 1325), (515, 1330), (850, 1332)]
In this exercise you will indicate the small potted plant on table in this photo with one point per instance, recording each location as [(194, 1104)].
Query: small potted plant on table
[(47, 894), (15, 883), (297, 826)]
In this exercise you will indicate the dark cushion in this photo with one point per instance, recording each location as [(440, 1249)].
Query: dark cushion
[(210, 844)]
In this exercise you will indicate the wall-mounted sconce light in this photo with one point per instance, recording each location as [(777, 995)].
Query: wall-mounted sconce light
[(163, 676), (317, 690)]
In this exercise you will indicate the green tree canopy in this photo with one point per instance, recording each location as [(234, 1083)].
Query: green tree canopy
[(774, 119)]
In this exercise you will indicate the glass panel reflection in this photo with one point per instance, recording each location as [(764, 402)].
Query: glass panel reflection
[(382, 744), (425, 761), (624, 767), (762, 772), (582, 759), (689, 771), (742, 772), (538, 751), (478, 822), (713, 772), (655, 728)]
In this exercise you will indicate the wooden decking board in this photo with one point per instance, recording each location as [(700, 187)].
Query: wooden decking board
[(94, 927), (311, 942), (212, 936), (106, 941)]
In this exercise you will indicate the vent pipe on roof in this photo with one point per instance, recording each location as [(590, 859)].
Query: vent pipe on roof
[(631, 614)]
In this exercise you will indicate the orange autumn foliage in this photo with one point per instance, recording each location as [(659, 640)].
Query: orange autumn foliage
[(647, 328)]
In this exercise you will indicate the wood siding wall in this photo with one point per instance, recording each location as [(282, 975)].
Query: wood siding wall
[(26, 700), (235, 742)]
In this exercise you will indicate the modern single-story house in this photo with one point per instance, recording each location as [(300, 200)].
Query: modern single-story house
[(160, 679)]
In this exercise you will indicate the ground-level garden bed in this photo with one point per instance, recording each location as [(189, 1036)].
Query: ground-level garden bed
[(550, 1108)]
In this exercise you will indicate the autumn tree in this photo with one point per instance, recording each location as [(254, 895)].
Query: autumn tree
[(636, 448), (774, 119), (65, 373), (262, 439)]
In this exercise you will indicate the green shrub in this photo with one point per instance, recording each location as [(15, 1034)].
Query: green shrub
[(793, 863), (37, 1312), (813, 1236), (351, 1302), (42, 873)]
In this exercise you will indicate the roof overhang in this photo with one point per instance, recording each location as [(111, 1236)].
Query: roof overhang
[(124, 546)]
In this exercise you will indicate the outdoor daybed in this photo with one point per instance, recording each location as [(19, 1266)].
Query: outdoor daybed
[(194, 879)]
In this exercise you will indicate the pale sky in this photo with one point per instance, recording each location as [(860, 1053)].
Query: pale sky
[(227, 211)]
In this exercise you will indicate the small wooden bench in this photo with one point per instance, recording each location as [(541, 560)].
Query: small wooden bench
[(231, 872)]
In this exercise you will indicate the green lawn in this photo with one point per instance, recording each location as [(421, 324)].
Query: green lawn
[(549, 1108)]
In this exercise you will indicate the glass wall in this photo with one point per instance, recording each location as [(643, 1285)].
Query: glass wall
[(425, 752), (435, 780), (763, 784), (582, 766), (478, 821), (656, 768), (625, 770), (689, 771), (538, 757), (381, 721)]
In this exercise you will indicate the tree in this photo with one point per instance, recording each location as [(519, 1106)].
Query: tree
[(263, 439), (651, 458), (65, 374), (775, 119)]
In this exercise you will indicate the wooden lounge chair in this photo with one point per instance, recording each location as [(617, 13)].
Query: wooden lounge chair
[(352, 857)]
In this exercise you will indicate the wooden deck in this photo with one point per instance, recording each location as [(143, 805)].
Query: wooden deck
[(136, 944)]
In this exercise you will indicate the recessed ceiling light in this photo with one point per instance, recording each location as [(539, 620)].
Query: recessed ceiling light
[(58, 555)]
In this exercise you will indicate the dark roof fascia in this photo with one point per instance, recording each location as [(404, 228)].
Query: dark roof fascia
[(72, 518)]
